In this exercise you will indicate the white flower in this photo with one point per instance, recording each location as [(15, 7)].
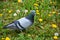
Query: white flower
[(18, 11), (58, 13), (56, 34), (26, 11), (14, 14), (50, 12), (21, 1), (4, 9)]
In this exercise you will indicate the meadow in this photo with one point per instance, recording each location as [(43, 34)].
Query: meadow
[(46, 21)]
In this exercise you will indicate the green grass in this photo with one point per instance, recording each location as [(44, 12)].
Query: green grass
[(39, 30)]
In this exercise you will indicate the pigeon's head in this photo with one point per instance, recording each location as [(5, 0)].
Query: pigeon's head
[(33, 12), (31, 15)]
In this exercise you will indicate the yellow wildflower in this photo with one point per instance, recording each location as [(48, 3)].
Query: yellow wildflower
[(36, 4), (36, 7), (29, 35), (19, 1), (51, 2), (7, 38), (42, 0), (10, 11), (49, 15), (54, 25), (1, 15), (37, 11), (40, 19), (53, 12), (55, 37)]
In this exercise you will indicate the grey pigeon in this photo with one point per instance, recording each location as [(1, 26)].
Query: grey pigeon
[(22, 23)]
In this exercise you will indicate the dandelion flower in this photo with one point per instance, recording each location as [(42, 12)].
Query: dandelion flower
[(51, 2), (14, 14), (55, 37), (36, 8), (42, 0), (1, 15), (7, 38), (40, 19), (10, 11), (29, 35), (19, 1), (49, 15), (36, 4), (54, 25), (37, 11), (53, 12)]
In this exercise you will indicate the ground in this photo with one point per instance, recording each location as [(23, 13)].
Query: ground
[(46, 20)]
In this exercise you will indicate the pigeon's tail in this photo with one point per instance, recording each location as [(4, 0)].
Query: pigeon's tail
[(5, 27), (10, 26)]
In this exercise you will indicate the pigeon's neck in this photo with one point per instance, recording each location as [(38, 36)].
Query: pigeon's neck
[(30, 17)]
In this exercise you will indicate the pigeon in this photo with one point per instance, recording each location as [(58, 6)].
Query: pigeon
[(22, 23)]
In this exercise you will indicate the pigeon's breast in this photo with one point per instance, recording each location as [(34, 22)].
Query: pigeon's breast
[(25, 22)]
